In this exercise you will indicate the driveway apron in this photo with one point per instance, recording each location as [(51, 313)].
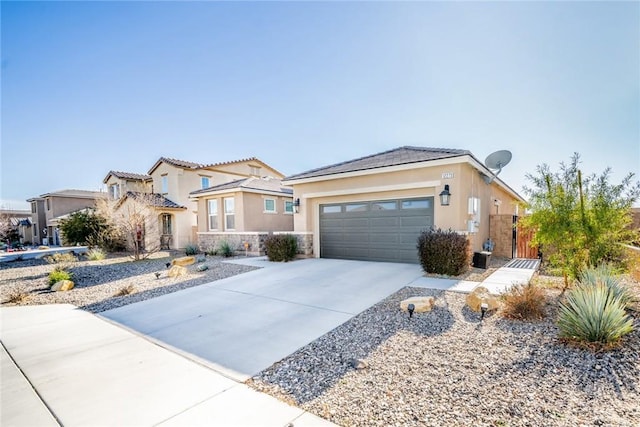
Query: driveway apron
[(243, 324)]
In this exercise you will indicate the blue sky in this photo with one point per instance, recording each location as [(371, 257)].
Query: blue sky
[(89, 87)]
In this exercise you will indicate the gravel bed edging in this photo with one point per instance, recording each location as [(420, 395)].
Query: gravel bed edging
[(448, 368), (97, 282)]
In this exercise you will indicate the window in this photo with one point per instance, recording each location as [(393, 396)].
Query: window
[(48, 204), (166, 224), (361, 207), (213, 214), (255, 170), (35, 230), (288, 206), (204, 181), (229, 214), (114, 191), (331, 209), (383, 206), (164, 184), (33, 207), (416, 204), (269, 206)]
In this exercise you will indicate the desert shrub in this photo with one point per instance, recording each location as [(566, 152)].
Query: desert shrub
[(125, 290), (524, 302), (95, 254), (225, 249), (16, 297), (59, 274), (281, 247), (61, 258), (191, 249), (211, 251), (606, 275), (443, 252), (593, 314)]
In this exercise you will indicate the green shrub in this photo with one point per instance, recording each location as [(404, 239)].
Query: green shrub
[(57, 275), (191, 250), (96, 254), (281, 247), (593, 314), (606, 275), (524, 302), (443, 252), (225, 249)]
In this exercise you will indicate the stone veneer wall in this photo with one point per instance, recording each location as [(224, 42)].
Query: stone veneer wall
[(501, 227), (212, 240)]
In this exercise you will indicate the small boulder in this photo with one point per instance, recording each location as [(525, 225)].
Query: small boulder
[(201, 258), (358, 364), (62, 285), (177, 271), (43, 248), (185, 260), (421, 304), (481, 295), (202, 267)]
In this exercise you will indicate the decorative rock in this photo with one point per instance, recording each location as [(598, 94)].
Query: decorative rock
[(358, 364), (422, 304), (177, 271), (43, 248), (185, 260), (201, 258), (480, 295), (62, 285), (202, 267)]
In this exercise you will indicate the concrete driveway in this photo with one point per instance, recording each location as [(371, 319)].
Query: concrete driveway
[(243, 324)]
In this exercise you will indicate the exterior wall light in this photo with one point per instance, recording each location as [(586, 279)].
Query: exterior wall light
[(445, 196), (296, 205)]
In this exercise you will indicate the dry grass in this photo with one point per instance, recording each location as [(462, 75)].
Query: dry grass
[(125, 290), (16, 297), (524, 302)]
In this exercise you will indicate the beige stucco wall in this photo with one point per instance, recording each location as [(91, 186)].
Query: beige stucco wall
[(249, 212), (463, 180), (125, 185), (241, 169), (64, 205)]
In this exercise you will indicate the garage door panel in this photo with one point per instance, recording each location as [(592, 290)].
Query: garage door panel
[(364, 231)]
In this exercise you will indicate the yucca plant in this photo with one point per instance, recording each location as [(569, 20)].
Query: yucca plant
[(594, 314), (606, 275)]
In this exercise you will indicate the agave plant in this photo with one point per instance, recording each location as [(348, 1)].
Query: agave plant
[(593, 313), (606, 275)]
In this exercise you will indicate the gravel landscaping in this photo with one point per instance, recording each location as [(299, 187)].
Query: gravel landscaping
[(449, 368), (97, 282)]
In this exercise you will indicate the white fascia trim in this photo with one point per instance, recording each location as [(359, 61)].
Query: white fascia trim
[(376, 171), (238, 190), (376, 189)]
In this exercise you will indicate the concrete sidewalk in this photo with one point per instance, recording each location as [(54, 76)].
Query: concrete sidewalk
[(82, 370)]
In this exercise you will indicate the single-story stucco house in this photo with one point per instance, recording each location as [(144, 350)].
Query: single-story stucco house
[(374, 207)]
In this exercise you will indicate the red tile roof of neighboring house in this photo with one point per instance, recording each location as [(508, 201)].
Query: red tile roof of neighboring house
[(153, 199)]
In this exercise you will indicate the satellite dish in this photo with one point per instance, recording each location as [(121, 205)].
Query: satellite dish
[(496, 160)]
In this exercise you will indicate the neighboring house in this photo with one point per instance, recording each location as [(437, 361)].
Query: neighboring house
[(20, 222), (374, 207), (119, 183), (233, 210), (51, 207), (174, 180)]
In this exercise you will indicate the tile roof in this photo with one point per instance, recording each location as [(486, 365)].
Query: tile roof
[(397, 156), (267, 184), (154, 199), (84, 194), (191, 165), (128, 175)]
